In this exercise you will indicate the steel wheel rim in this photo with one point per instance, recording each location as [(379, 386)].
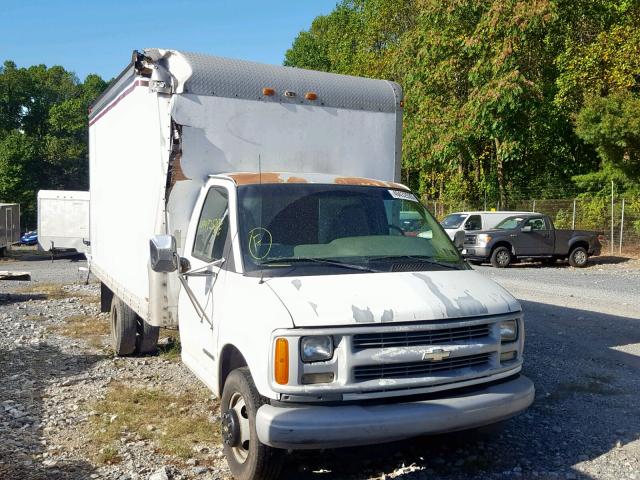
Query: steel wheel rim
[(237, 404), (503, 258), (580, 257)]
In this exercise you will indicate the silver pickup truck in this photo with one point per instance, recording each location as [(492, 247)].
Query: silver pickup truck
[(530, 236)]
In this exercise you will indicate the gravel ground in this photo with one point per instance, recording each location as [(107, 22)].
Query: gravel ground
[(583, 353)]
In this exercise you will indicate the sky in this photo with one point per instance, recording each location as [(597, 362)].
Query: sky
[(98, 36)]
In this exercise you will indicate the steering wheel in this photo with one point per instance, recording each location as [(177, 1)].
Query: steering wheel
[(397, 228)]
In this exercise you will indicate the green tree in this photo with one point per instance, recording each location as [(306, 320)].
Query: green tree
[(43, 132)]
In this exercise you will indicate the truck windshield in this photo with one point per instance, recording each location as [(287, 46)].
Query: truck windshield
[(509, 223), (339, 228), (454, 220)]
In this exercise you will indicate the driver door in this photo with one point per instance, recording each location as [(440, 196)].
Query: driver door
[(536, 242), (208, 241)]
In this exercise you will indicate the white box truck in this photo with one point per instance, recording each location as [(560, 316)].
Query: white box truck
[(63, 220), (257, 207), (9, 226)]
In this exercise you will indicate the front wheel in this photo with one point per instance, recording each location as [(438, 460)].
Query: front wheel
[(578, 257), (501, 257), (248, 459)]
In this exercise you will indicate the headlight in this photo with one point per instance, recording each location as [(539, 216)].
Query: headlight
[(508, 331), (483, 239), (316, 349)]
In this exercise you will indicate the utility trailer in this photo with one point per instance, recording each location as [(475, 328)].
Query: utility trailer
[(258, 208), (9, 226), (63, 220)]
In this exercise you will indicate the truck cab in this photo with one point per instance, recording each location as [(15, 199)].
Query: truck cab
[(315, 295), (345, 322)]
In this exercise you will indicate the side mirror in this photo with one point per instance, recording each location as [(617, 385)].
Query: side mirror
[(526, 229), (458, 239), (162, 249)]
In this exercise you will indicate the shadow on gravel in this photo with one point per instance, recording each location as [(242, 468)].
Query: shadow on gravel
[(586, 406), (8, 298), (593, 262), (24, 373)]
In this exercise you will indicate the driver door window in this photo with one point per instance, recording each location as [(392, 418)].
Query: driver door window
[(213, 226), (536, 224)]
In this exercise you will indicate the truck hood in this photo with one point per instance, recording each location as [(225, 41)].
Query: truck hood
[(348, 299)]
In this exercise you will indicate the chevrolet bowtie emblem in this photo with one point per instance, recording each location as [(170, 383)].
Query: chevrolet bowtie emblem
[(436, 355)]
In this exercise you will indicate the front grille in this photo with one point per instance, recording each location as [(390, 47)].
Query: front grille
[(470, 239), (419, 338), (418, 369)]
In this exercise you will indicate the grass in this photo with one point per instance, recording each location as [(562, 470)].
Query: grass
[(85, 327), (170, 351), (174, 422), (108, 455), (52, 291)]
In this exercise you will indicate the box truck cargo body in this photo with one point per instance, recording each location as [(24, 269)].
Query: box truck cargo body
[(258, 208), (63, 220), (9, 225)]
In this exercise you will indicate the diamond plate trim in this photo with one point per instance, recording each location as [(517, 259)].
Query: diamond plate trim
[(224, 77)]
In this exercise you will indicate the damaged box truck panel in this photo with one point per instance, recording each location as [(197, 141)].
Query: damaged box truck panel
[(172, 119), (257, 208)]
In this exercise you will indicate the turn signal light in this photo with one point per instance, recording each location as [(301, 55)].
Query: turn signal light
[(311, 96), (281, 363), (268, 92)]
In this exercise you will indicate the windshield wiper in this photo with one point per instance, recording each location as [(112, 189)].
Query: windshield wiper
[(322, 261), (422, 258)]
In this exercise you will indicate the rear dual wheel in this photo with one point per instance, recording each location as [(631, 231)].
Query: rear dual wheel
[(130, 334)]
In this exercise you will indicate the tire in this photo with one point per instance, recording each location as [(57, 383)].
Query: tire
[(147, 338), (578, 257), (248, 459), (123, 328), (501, 257)]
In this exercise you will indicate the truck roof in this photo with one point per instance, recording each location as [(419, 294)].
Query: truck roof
[(250, 178), (199, 74)]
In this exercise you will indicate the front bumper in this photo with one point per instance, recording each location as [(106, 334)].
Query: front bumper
[(474, 251), (309, 427)]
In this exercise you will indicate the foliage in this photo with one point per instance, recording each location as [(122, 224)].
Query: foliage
[(43, 132), (494, 90)]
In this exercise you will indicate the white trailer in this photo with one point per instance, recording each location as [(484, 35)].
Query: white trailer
[(63, 220), (9, 225), (257, 207)]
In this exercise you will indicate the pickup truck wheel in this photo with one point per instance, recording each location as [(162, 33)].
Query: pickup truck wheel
[(123, 328), (248, 459), (578, 257), (501, 257), (147, 338)]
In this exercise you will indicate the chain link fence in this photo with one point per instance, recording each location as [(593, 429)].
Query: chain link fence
[(616, 217)]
